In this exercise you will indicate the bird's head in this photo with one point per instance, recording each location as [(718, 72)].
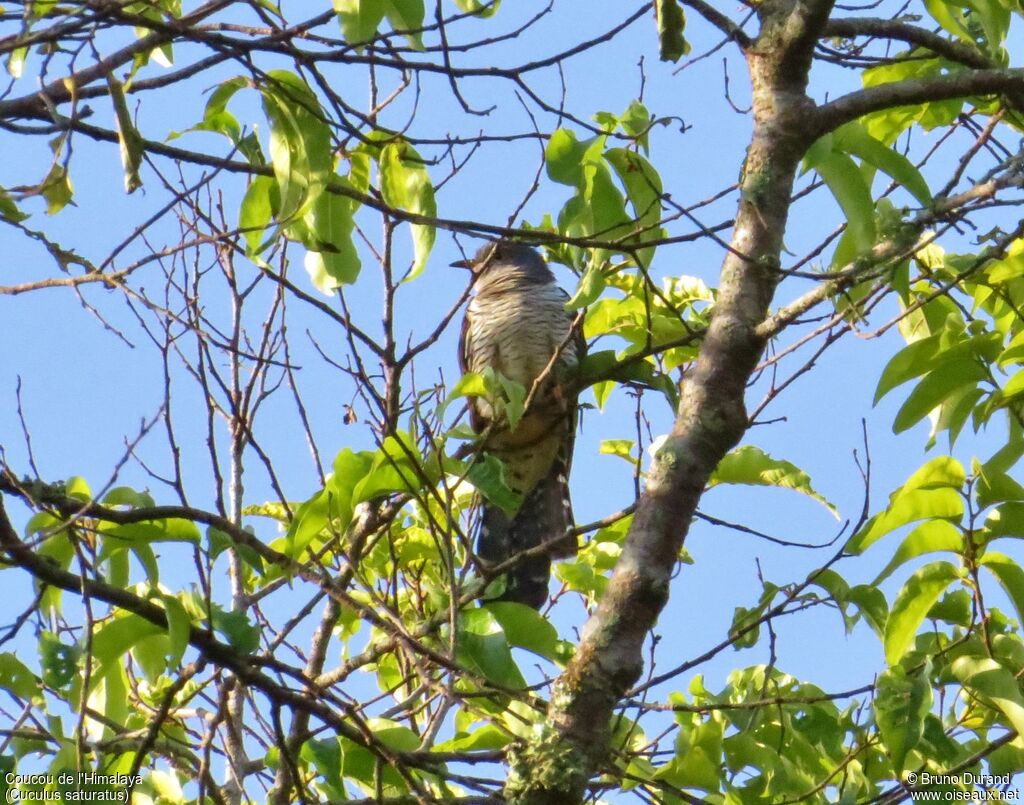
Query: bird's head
[(506, 261)]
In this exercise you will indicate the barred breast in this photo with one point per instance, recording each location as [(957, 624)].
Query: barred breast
[(517, 331)]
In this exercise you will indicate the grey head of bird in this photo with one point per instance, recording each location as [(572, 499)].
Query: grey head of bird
[(504, 261)]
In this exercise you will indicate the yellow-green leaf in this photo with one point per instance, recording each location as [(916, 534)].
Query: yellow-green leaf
[(751, 465), (128, 137), (912, 603)]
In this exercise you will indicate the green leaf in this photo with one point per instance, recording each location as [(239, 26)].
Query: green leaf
[(167, 787), (333, 505), (940, 472), (1005, 520), (109, 693), (332, 259), (483, 647), (644, 189), (751, 465), (847, 184), (907, 506), (954, 607), (698, 757), (506, 396), (994, 684), (1007, 759), (936, 387), (152, 653), (902, 702), (128, 137), (171, 529), (406, 185), (591, 286), (487, 474), (300, 142), (216, 117), (114, 639), (126, 496), (929, 537), (871, 603), (78, 488), (671, 24), (218, 541), (255, 213), (488, 736), (482, 8), (326, 757), (178, 629), (16, 62), (18, 679), (998, 487), (948, 18), (1010, 576), (393, 735), (236, 627), (526, 628), (56, 188), (359, 19), (397, 466), (9, 210), (564, 156), (912, 603), (623, 448), (58, 661), (407, 16), (912, 361), (853, 138)]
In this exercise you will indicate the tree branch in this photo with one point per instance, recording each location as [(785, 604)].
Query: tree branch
[(960, 52), (913, 91)]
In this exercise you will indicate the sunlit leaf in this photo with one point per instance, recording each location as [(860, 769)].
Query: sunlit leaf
[(482, 8), (994, 684), (751, 465), (255, 213), (56, 188), (591, 286), (525, 628), (117, 637), (359, 18), (1010, 576), (912, 603), (332, 260), (936, 387), (933, 491), (128, 137), (932, 536), (406, 185)]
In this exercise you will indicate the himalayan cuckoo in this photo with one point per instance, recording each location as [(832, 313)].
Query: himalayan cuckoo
[(517, 325)]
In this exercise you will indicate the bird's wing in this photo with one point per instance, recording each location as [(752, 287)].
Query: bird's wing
[(477, 421)]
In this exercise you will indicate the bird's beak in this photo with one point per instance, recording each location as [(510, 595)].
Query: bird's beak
[(462, 264)]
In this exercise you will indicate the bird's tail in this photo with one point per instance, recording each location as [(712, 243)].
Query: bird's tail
[(543, 519)]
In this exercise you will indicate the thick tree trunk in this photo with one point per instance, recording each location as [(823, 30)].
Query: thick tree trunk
[(712, 418)]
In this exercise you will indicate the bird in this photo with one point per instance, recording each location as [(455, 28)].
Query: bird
[(517, 324)]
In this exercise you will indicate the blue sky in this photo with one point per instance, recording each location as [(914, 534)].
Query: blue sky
[(85, 391)]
